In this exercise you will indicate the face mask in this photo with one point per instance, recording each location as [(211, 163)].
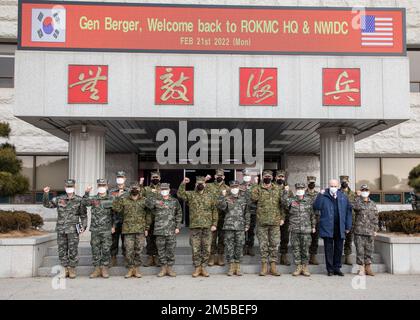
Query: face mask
[(344, 185), (333, 190), (155, 181), (164, 193), (267, 180), (311, 185), (219, 179), (234, 191), (280, 181), (69, 190), (200, 187), (365, 194), (247, 178), (120, 181), (300, 192), (134, 192), (101, 190)]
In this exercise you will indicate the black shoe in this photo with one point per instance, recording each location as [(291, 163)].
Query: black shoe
[(339, 273), (330, 274)]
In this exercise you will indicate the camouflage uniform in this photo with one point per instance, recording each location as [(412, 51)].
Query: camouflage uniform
[(366, 224), (70, 212), (136, 220), (349, 236), (167, 216), (311, 195), (415, 200), (203, 215), (236, 221), (252, 207), (100, 228)]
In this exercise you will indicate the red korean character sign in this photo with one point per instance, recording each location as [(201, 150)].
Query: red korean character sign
[(341, 87), (174, 86), (258, 86), (87, 84)]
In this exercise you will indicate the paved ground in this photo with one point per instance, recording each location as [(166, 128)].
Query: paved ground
[(382, 286)]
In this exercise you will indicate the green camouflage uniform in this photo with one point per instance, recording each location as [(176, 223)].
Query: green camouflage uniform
[(349, 236), (70, 212), (269, 215), (135, 222), (151, 248), (284, 229), (252, 208), (311, 195), (366, 224), (100, 228), (301, 222), (117, 221), (203, 215), (167, 216), (237, 219)]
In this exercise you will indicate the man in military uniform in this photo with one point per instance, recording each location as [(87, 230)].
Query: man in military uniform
[(151, 249), (235, 224), (203, 221), (117, 220), (284, 229), (217, 243), (245, 189), (70, 212), (167, 217), (136, 223), (311, 194), (100, 227), (269, 219), (302, 223), (344, 180), (365, 228)]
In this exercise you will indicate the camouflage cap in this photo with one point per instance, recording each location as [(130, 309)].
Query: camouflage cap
[(164, 186), (300, 185), (234, 183), (344, 178), (245, 172), (220, 172), (200, 179), (134, 185), (121, 173), (101, 182), (155, 174), (280, 173), (364, 187), (311, 179), (69, 182), (267, 173)]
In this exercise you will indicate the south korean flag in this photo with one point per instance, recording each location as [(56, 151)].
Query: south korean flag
[(49, 25)]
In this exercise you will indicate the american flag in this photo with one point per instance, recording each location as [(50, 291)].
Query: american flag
[(377, 31)]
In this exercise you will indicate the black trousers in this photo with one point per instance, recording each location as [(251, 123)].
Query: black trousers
[(333, 248)]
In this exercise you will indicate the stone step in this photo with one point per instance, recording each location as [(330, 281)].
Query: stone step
[(188, 269)]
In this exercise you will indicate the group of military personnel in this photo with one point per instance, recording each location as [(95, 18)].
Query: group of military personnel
[(223, 222)]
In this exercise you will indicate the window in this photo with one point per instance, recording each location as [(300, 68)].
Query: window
[(7, 65), (28, 169), (414, 57), (395, 173), (368, 171)]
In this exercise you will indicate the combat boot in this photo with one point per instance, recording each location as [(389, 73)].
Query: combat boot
[(238, 269), (204, 272), (305, 271), (313, 260), (211, 260), (156, 261), (137, 273), (105, 273), (361, 271), (263, 271), (231, 269), (96, 273), (284, 260), (149, 261), (130, 273), (170, 272), (251, 251), (162, 272), (72, 273), (66, 272), (273, 269), (196, 272), (369, 271), (221, 260), (347, 260), (245, 251), (113, 261), (297, 271)]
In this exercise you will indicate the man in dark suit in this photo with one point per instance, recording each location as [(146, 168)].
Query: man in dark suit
[(335, 223)]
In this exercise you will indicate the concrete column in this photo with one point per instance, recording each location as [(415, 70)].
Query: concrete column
[(86, 156), (336, 154)]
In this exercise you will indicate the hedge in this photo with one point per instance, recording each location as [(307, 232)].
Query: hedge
[(19, 220), (407, 221)]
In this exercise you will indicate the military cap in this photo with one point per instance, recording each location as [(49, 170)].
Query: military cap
[(69, 182), (311, 179), (267, 173), (245, 172), (155, 174), (101, 181), (200, 179), (300, 185), (220, 172), (234, 183), (135, 185), (344, 178), (164, 186), (364, 187), (280, 173), (121, 173)]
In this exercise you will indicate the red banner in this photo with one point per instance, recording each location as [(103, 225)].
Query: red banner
[(211, 29)]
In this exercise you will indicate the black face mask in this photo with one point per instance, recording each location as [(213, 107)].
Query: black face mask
[(311, 185), (134, 192), (267, 180), (219, 179), (280, 181), (344, 185), (200, 187), (155, 181)]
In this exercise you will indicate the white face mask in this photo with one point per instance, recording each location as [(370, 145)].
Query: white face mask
[(120, 180), (102, 190), (247, 178), (365, 194), (69, 190), (164, 193), (234, 191), (333, 190), (300, 192)]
